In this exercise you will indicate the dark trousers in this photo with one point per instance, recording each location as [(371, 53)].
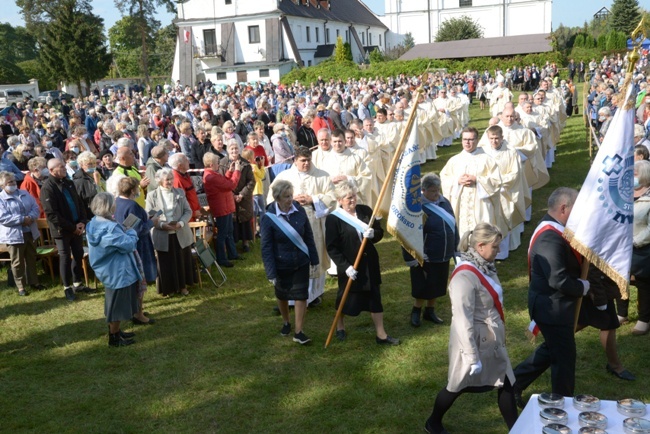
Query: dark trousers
[(559, 352), (71, 253), (225, 242), (643, 301)]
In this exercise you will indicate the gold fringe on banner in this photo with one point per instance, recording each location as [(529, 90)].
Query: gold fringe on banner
[(601, 264), (405, 244)]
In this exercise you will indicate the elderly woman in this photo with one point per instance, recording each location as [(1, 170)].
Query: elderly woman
[(186, 140), (429, 281), (605, 118), (478, 360), (145, 144), (124, 206), (258, 127), (218, 189), (18, 231), (111, 250), (344, 230), (244, 212), (21, 155), (306, 135), (288, 250), (172, 236), (180, 165), (87, 180), (282, 148), (640, 269), (34, 180), (229, 134), (216, 140)]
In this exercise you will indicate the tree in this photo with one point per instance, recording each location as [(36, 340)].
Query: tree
[(142, 11), (34, 69), (341, 53), (456, 29), (409, 42), (73, 45), (625, 15), (126, 46), (376, 56), (163, 57)]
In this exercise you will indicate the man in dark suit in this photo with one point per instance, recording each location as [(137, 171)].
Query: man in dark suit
[(554, 290), (335, 116)]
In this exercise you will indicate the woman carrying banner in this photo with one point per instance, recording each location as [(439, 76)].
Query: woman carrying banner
[(288, 249), (344, 230), (429, 281), (478, 360)]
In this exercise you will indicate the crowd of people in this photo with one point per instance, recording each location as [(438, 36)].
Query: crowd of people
[(301, 167)]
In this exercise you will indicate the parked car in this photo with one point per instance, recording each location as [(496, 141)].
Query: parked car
[(9, 97), (57, 96)]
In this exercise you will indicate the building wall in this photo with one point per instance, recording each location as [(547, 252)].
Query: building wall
[(423, 18), (197, 9)]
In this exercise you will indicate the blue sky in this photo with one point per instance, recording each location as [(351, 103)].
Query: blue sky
[(568, 12)]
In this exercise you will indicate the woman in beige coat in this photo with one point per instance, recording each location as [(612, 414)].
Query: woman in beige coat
[(172, 236), (478, 360)]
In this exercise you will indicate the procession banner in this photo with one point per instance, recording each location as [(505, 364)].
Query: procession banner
[(405, 213), (600, 225)]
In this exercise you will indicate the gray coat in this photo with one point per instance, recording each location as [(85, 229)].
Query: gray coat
[(182, 213), (477, 332)]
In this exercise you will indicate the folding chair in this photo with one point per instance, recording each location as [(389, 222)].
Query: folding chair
[(203, 253)]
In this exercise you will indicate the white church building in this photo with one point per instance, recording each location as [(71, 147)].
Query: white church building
[(498, 18), (228, 41)]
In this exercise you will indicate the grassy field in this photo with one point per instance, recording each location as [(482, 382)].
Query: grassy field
[(215, 361)]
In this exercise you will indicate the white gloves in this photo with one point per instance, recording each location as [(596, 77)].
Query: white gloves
[(586, 285), (475, 368), (272, 281), (351, 272), (603, 307), (369, 233), (412, 263)]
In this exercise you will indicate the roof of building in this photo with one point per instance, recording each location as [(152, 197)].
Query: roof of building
[(346, 11), (485, 47), (324, 50)]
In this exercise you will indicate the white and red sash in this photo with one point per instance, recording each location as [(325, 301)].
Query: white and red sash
[(541, 228), (493, 288)]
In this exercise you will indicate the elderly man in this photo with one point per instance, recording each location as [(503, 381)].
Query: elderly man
[(324, 138), (335, 116), (472, 184), (125, 160), (157, 161), (66, 218), (180, 164), (313, 189), (500, 96)]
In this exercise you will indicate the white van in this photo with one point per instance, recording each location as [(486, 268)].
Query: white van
[(12, 96)]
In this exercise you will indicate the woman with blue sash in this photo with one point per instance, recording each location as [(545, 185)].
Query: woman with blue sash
[(288, 250), (344, 230), (429, 281)]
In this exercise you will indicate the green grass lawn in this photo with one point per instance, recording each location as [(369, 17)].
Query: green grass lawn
[(215, 361)]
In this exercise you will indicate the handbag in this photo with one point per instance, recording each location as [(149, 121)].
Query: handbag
[(640, 266)]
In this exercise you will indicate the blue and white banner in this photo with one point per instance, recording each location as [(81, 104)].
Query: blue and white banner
[(600, 224), (405, 213)]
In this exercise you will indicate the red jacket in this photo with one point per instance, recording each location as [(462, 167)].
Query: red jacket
[(184, 182), (259, 151), (218, 189), (29, 184), (319, 123)]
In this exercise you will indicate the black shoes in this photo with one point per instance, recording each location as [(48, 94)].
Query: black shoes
[(341, 335), (415, 316), (116, 340), (69, 294), (127, 335), (84, 289), (226, 264), (623, 375), (38, 287), (429, 429), (388, 341), (286, 329), (139, 322), (430, 315), (301, 338), (315, 302)]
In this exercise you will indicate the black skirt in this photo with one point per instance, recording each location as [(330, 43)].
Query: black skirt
[(175, 268), (360, 301), (430, 281), (121, 304), (600, 319), (292, 284)]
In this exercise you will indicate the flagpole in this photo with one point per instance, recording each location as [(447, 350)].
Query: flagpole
[(375, 210)]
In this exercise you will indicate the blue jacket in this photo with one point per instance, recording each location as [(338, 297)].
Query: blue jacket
[(6, 165), (11, 216), (278, 251), (110, 250)]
